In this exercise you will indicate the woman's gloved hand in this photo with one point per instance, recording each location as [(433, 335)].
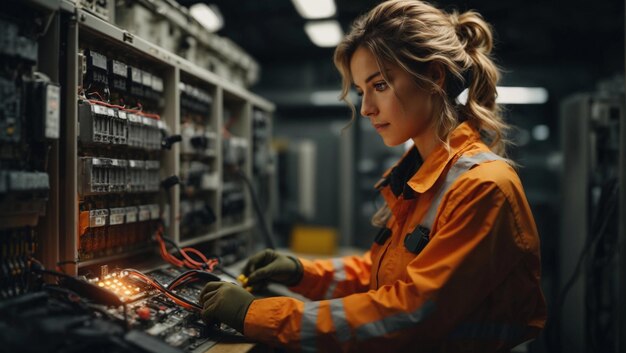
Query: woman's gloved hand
[(225, 302), (270, 266)]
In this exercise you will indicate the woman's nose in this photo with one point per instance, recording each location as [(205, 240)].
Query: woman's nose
[(368, 108)]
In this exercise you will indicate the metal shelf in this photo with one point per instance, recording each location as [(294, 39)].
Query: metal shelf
[(236, 229), (219, 234), (115, 257)]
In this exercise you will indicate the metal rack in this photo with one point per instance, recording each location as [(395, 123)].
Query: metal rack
[(78, 27)]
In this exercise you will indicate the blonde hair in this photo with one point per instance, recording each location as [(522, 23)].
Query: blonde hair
[(415, 35)]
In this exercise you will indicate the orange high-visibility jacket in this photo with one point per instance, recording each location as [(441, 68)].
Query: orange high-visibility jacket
[(471, 285)]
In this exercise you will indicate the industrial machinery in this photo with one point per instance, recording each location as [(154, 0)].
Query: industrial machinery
[(585, 314), (117, 153)]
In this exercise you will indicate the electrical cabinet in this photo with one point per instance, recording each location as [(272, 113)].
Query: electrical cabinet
[(29, 132), (143, 139), (116, 153)]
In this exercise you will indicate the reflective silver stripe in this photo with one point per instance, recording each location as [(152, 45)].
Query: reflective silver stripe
[(338, 315), (394, 323), (339, 274), (308, 328), (462, 165), (487, 331)]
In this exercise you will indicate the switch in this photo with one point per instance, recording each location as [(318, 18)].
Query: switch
[(144, 313)]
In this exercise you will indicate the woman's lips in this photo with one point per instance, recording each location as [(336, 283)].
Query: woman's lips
[(380, 127)]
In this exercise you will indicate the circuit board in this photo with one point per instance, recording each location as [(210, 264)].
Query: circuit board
[(151, 311)]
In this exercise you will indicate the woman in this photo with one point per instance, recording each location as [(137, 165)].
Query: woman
[(455, 267)]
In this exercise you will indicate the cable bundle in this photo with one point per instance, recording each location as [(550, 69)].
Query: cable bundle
[(167, 290), (187, 261)]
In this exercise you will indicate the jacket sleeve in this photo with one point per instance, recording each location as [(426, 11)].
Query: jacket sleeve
[(334, 278), (470, 253)]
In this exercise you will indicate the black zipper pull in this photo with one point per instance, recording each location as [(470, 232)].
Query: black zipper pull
[(382, 236), (416, 242)]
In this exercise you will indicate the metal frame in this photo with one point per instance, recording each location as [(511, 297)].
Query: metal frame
[(175, 67)]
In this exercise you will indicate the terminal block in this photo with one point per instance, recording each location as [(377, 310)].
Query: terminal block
[(152, 133), (118, 75), (131, 214), (98, 218), (136, 170), (102, 124), (144, 132), (116, 216), (106, 231), (95, 122), (102, 175), (119, 128), (143, 176), (152, 177), (108, 175), (144, 213), (135, 130)]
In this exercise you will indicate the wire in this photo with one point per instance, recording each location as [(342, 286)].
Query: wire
[(51, 273), (134, 111), (157, 285), (187, 261), (191, 276), (97, 94), (269, 239), (226, 272), (599, 228)]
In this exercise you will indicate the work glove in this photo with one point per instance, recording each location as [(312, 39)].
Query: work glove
[(270, 266), (225, 302)]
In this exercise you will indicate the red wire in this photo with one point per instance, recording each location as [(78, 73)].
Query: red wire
[(93, 101), (97, 94), (187, 261), (156, 286), (134, 111)]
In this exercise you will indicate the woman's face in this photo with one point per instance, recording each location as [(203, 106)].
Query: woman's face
[(399, 113)]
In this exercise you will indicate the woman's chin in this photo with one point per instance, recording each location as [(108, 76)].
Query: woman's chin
[(391, 142)]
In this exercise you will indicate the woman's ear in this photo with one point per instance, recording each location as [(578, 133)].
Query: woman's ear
[(437, 74)]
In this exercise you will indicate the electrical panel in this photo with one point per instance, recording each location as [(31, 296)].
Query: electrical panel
[(198, 160), (153, 142), (175, 30), (147, 321), (590, 135), (119, 151), (135, 156), (236, 158), (29, 123), (99, 8)]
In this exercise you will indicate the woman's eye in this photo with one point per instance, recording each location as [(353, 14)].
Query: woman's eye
[(380, 86), (359, 93)]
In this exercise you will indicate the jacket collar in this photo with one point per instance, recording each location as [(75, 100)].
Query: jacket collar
[(430, 171)]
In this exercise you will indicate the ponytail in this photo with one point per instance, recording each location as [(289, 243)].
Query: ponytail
[(481, 109)]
